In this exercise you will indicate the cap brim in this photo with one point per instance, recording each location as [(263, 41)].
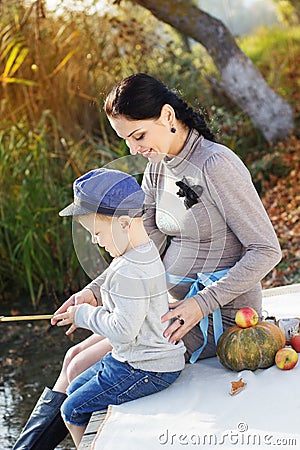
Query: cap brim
[(73, 210), (68, 210)]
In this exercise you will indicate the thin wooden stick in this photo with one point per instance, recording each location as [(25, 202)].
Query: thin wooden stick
[(17, 318)]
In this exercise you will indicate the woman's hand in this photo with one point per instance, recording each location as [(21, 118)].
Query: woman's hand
[(84, 296), (66, 318), (187, 313)]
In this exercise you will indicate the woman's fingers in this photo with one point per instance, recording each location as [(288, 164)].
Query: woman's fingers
[(171, 331), (61, 319), (56, 318), (66, 318), (186, 314), (174, 305), (84, 296), (63, 308), (179, 333), (172, 313)]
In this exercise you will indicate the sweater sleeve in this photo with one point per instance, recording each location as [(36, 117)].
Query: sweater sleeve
[(148, 186), (95, 287), (231, 188), (122, 322)]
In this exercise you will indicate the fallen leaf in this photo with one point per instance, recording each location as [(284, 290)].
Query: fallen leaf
[(237, 386)]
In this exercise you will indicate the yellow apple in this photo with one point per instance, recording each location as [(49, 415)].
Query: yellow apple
[(286, 358), (246, 317)]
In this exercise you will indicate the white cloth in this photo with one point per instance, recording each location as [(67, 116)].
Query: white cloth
[(198, 412)]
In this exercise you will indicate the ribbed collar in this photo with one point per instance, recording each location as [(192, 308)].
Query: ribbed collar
[(193, 139)]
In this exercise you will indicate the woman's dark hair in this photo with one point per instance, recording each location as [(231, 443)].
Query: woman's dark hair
[(141, 97)]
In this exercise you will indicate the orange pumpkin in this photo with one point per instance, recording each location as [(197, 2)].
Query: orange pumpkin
[(250, 348)]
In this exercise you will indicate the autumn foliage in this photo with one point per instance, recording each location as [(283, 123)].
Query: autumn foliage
[(54, 75), (282, 201)]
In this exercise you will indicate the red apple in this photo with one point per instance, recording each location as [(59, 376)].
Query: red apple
[(295, 342), (246, 317), (286, 358)]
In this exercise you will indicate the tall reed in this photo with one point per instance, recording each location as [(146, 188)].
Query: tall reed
[(54, 74), (29, 189)]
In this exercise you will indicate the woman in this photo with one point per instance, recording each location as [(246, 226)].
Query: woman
[(199, 195), (204, 215)]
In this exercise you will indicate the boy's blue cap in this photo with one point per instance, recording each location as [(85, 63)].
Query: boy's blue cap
[(106, 191)]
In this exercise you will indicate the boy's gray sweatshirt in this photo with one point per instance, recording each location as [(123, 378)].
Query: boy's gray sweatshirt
[(134, 296)]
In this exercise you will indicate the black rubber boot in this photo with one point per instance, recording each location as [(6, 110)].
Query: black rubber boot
[(45, 428)]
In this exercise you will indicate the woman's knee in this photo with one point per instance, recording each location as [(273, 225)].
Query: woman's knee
[(74, 369), (70, 355)]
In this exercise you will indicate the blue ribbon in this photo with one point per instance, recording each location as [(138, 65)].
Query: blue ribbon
[(205, 279)]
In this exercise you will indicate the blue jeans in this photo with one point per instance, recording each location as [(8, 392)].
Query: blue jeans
[(110, 382)]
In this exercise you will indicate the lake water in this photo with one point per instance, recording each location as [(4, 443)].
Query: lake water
[(30, 359)]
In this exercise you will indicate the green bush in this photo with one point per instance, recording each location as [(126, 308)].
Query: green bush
[(55, 73)]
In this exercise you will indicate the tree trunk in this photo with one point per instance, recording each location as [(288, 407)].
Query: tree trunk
[(243, 83)]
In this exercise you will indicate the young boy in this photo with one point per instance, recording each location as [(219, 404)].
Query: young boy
[(133, 297)]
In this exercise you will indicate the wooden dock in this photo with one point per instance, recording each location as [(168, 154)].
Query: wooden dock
[(95, 422)]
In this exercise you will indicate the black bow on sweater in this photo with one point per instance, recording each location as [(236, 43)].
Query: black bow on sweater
[(191, 193)]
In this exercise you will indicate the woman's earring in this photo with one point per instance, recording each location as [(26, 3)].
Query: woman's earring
[(173, 130)]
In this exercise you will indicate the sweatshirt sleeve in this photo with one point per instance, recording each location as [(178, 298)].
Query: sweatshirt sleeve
[(231, 188), (148, 186), (122, 322)]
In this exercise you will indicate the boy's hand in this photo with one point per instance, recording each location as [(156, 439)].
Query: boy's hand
[(66, 318), (84, 296)]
